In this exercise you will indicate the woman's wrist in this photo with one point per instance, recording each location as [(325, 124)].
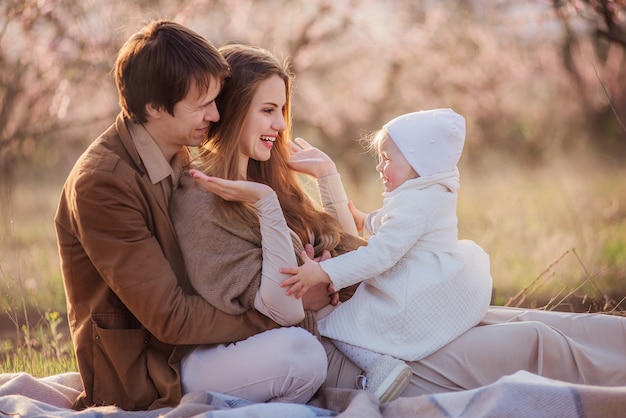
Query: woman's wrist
[(331, 189), (324, 170)]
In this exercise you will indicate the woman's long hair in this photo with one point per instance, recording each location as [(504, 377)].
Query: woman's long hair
[(219, 154)]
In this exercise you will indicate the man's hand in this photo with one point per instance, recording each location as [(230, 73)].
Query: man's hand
[(319, 296)]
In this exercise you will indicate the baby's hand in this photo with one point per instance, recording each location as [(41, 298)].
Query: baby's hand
[(304, 277), (359, 217)]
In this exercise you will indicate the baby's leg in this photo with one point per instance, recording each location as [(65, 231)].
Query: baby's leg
[(386, 376), (362, 357)]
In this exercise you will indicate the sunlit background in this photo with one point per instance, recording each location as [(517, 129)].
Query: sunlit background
[(542, 85)]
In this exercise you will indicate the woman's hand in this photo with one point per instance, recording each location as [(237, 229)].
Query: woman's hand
[(231, 190), (307, 159)]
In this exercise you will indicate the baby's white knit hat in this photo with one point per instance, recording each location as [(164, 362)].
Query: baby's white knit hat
[(430, 140)]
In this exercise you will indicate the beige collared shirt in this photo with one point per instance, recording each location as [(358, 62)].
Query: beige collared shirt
[(159, 169)]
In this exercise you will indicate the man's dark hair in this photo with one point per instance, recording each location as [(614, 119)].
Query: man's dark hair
[(160, 63)]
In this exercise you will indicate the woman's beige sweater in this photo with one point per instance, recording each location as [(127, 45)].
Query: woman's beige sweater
[(224, 261)]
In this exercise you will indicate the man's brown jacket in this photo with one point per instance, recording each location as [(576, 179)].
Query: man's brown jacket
[(131, 310)]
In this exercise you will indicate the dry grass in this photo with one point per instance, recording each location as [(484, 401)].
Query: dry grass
[(565, 223)]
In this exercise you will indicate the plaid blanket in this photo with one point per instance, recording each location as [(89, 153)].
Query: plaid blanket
[(519, 395)]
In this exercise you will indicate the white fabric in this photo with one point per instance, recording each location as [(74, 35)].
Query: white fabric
[(430, 140), (360, 356), (421, 287)]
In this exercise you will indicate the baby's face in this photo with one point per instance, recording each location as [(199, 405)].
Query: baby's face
[(394, 169)]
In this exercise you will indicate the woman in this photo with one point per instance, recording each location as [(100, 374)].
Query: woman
[(221, 240)]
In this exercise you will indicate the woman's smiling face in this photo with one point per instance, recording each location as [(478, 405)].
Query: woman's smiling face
[(264, 120)]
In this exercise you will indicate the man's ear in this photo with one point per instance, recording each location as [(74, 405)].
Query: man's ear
[(152, 111)]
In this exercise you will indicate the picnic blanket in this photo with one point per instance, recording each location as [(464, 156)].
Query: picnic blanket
[(519, 395)]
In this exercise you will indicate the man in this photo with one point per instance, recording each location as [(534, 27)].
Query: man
[(132, 312)]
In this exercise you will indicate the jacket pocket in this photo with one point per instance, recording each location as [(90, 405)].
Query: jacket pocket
[(120, 365)]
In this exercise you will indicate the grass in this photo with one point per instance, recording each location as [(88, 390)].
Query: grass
[(34, 337), (573, 211), (556, 235), (41, 349)]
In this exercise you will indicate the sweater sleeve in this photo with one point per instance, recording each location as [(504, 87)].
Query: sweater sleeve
[(335, 201), (278, 252)]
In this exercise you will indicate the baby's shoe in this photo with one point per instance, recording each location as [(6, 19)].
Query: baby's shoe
[(386, 378)]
